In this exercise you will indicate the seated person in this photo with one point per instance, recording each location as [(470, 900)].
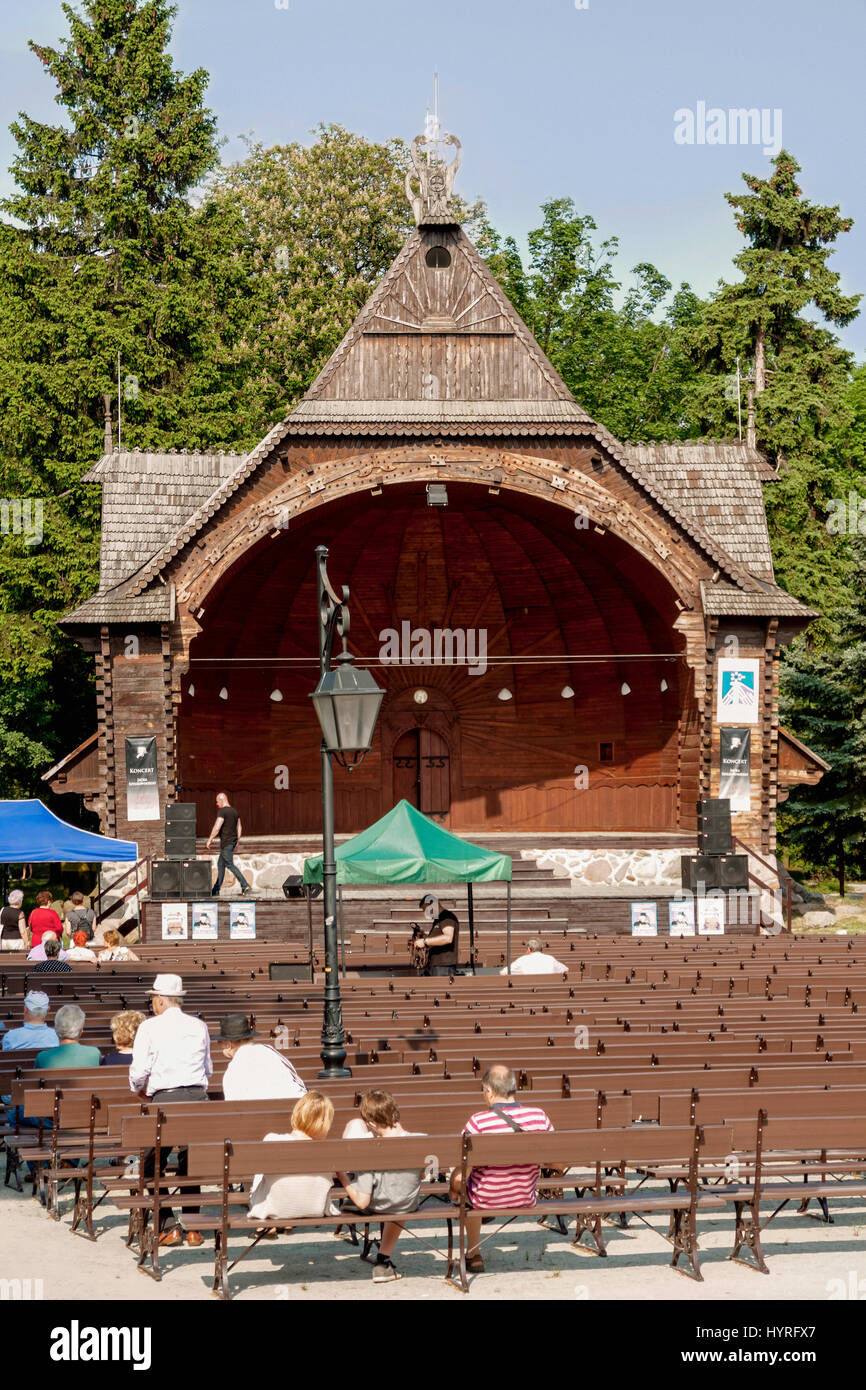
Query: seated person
[(80, 950), (512, 1185), (34, 1032), (55, 961), (297, 1194), (256, 1070), (69, 1022), (383, 1194), (37, 953), (536, 961), (124, 1027), (114, 947)]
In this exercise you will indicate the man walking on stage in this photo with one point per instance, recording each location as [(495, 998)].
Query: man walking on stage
[(228, 826)]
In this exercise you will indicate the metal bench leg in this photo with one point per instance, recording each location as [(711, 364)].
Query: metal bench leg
[(13, 1168), (683, 1236), (748, 1233), (220, 1284)]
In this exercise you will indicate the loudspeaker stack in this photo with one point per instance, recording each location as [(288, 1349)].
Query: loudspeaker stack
[(715, 866)]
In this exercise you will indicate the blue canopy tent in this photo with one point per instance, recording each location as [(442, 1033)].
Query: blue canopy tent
[(31, 834)]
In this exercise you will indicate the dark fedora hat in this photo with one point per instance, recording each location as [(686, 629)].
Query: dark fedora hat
[(235, 1028)]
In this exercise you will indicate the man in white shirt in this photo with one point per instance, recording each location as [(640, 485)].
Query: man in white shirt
[(536, 962), (171, 1062), (256, 1071)]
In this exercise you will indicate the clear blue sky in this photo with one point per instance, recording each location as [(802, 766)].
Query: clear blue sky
[(549, 101)]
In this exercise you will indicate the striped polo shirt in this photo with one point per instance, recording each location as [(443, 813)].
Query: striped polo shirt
[(514, 1185)]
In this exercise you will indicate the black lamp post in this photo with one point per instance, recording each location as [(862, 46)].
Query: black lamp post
[(347, 703)]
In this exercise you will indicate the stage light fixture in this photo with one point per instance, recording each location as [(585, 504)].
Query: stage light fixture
[(276, 695), (664, 685), (420, 697), (567, 693), (625, 688), (191, 690), (437, 495), (504, 694), (224, 694)]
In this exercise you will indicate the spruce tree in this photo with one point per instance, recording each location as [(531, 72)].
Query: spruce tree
[(795, 398), (103, 258)]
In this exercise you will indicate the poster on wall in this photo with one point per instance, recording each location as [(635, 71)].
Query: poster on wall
[(142, 785), (204, 921), (242, 921), (737, 692), (644, 919), (681, 916), (735, 757), (175, 921), (711, 916)]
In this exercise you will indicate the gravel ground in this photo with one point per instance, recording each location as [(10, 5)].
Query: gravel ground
[(809, 1261)]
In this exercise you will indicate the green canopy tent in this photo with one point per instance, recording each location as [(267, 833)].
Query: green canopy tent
[(406, 847)]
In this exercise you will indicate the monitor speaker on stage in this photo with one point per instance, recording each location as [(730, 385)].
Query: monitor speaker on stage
[(166, 877), (699, 869), (293, 887), (196, 878)]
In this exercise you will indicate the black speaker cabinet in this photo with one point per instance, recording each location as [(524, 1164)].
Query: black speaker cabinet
[(699, 868), (196, 878), (180, 814), (734, 871), (180, 846), (714, 826), (293, 887), (166, 877)]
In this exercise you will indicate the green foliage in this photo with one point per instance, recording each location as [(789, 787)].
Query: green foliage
[(627, 366), (823, 701)]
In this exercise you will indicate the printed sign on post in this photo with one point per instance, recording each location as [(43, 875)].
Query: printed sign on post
[(736, 691)]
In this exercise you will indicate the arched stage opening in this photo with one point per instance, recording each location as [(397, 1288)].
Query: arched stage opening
[(535, 679)]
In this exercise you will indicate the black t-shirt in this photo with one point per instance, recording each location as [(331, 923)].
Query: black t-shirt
[(117, 1059), (445, 955), (229, 827)]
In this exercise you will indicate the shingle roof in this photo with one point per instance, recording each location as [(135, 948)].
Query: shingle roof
[(724, 601), (145, 498), (718, 485), (120, 606), (409, 414)]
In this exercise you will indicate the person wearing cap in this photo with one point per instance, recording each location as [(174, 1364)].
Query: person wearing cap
[(256, 1071), (443, 939), (171, 1062), (34, 1031)]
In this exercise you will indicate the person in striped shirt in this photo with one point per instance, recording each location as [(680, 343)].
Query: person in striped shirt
[(510, 1186)]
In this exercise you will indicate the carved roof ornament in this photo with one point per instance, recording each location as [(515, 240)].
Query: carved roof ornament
[(431, 178)]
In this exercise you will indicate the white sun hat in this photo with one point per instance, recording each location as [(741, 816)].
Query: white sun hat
[(169, 986)]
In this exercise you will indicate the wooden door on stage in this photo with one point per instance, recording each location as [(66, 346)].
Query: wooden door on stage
[(422, 771)]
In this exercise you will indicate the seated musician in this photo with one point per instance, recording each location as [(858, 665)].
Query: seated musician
[(441, 944)]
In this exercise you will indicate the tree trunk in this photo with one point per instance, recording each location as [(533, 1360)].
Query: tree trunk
[(840, 864), (751, 437), (760, 361)]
